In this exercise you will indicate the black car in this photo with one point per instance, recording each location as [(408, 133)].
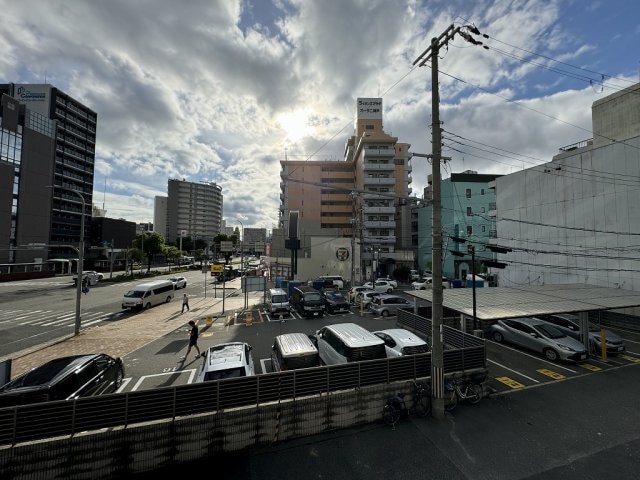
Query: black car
[(65, 378), (336, 302)]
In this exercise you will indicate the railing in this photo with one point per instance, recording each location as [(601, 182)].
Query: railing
[(68, 418)]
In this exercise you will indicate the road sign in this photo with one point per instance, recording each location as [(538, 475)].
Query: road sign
[(226, 246), (217, 268)]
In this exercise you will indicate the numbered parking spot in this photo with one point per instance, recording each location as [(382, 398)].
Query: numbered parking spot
[(510, 382), (588, 366), (551, 373)]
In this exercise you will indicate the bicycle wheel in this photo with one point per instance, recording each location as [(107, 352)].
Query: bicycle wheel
[(422, 404), (390, 415), (474, 393), (450, 400)]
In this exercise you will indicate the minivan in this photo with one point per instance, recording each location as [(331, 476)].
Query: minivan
[(307, 301), (149, 294), (348, 342), (293, 350), (277, 302)]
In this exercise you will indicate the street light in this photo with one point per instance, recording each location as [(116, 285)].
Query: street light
[(80, 260), (242, 261)]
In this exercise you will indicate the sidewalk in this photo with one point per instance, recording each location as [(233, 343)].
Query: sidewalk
[(128, 334)]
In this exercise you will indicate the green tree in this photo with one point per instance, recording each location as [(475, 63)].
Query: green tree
[(151, 244)]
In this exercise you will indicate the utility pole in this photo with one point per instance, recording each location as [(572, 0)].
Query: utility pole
[(437, 356)]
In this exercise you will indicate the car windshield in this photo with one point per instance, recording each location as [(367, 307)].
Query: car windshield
[(549, 331), (134, 293), (279, 298), (222, 374), (338, 297)]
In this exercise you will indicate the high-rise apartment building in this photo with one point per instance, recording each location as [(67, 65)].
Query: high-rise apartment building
[(47, 158), (194, 209), (160, 215), (362, 196)]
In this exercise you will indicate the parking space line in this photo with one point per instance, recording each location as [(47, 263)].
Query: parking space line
[(514, 371), (551, 373), (631, 359), (509, 382)]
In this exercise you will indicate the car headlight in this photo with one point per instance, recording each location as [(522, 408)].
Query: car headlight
[(566, 347)]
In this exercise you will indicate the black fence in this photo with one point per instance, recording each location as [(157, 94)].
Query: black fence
[(66, 418)]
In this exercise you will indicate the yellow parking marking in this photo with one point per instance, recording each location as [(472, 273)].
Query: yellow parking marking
[(510, 382), (630, 358), (588, 366), (551, 373)]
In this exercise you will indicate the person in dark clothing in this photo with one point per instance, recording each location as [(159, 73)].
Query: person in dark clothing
[(193, 339)]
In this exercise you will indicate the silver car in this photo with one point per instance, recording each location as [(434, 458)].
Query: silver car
[(386, 305), (539, 336), (569, 323)]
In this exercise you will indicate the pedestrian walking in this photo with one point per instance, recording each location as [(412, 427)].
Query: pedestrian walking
[(193, 339), (185, 302)]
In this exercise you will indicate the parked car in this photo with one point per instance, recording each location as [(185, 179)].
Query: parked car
[(539, 336), (226, 360), (353, 292), (179, 282), (427, 282), (399, 342), (386, 305), (380, 286), (335, 302), (569, 323), (347, 342), (364, 298), (392, 281), (65, 378), (89, 276)]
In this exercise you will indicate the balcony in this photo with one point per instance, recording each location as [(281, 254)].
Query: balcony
[(377, 167), (379, 224), (388, 210), (379, 152), (379, 181)]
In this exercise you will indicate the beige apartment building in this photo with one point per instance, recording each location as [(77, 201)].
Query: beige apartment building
[(362, 198)]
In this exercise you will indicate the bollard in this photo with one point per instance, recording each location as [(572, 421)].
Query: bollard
[(248, 318), (209, 320)]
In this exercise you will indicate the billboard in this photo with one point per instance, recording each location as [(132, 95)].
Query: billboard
[(35, 97), (369, 109)]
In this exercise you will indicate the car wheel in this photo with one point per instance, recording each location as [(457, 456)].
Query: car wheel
[(389, 290), (147, 306), (551, 354), (330, 310), (497, 336), (423, 288), (119, 378), (168, 299), (385, 313)]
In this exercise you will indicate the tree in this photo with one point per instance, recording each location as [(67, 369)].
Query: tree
[(151, 244)]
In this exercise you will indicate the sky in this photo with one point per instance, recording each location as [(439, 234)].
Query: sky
[(223, 90)]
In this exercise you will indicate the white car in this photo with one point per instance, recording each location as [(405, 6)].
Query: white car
[(427, 283), (391, 281), (380, 286), (364, 298), (179, 282), (354, 291), (399, 342), (226, 360)]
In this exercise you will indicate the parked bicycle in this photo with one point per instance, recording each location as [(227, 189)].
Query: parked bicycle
[(396, 408), (466, 388)]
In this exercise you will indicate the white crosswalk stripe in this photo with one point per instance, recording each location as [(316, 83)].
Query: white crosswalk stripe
[(49, 318)]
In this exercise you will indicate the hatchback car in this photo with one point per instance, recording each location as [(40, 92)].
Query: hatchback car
[(179, 282), (380, 286), (539, 336), (336, 302), (569, 323), (226, 360), (353, 292), (394, 283), (364, 298), (65, 378), (399, 342), (427, 282), (386, 305)]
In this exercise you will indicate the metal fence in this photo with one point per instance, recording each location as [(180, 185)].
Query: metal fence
[(67, 418)]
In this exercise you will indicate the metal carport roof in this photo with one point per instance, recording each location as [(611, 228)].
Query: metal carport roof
[(495, 303)]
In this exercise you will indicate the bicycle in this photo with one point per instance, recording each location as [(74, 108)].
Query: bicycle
[(396, 408), (468, 388)]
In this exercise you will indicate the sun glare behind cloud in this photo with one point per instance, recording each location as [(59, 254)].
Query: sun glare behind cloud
[(295, 124)]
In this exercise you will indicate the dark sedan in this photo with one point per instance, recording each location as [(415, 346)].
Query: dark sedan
[(336, 302), (65, 378)]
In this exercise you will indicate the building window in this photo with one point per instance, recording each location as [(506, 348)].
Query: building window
[(482, 191), (484, 229), (468, 193), (469, 229), (482, 209), (369, 127), (469, 212)]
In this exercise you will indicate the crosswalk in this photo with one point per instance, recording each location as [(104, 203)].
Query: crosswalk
[(51, 318)]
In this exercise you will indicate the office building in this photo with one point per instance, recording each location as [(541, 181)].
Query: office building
[(361, 197), (194, 209), (47, 164), (160, 215), (576, 219)]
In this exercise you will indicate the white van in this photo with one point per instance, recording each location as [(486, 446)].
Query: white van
[(149, 294), (293, 350), (348, 342), (278, 302)]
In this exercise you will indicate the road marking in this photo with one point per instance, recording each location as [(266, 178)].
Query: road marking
[(630, 358), (514, 371), (509, 382), (551, 373), (591, 367)]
